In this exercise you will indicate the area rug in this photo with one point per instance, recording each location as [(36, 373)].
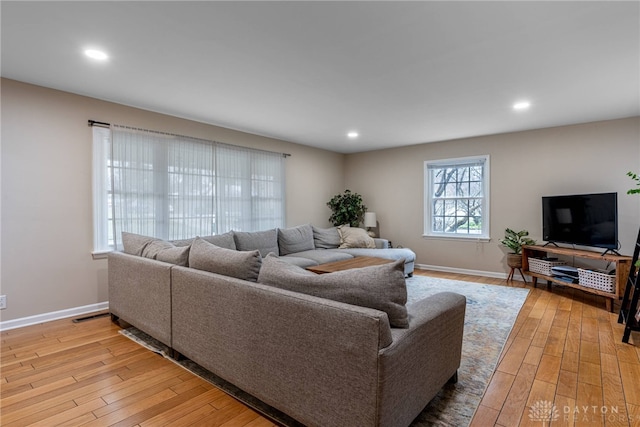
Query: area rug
[(490, 314)]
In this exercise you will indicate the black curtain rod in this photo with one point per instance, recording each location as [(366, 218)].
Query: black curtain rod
[(103, 124), (106, 125)]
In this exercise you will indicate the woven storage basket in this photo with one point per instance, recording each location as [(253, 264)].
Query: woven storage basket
[(542, 266), (596, 280)]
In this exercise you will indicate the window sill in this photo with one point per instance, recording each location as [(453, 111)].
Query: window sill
[(473, 239), (100, 255)]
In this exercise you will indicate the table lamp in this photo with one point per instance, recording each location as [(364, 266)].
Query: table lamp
[(370, 222)]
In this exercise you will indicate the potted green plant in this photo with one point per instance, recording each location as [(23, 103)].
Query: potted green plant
[(346, 208), (514, 240), (636, 178)]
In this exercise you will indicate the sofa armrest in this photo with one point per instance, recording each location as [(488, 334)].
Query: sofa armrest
[(381, 243), (422, 358), (140, 293)]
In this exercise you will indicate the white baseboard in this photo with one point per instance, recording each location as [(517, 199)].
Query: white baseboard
[(493, 274), (54, 315)]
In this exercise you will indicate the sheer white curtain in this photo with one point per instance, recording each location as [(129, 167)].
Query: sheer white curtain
[(138, 173), (250, 189), (191, 193), (176, 187), (102, 225)]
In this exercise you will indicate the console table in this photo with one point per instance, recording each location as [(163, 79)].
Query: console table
[(622, 266)]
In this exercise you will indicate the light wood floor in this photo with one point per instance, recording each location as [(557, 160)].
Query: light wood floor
[(565, 348)]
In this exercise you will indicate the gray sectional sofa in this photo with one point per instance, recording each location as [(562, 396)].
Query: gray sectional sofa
[(328, 350), (308, 245)]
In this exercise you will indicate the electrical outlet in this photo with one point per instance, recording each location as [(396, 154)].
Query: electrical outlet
[(3, 302)]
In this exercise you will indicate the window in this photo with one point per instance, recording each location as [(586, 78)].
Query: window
[(175, 187), (457, 198)]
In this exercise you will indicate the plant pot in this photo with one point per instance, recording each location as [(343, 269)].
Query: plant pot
[(514, 260)]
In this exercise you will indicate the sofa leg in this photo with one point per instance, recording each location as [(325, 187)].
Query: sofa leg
[(453, 379), (114, 318), (175, 354)]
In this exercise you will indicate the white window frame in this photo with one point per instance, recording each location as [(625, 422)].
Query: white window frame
[(429, 197)]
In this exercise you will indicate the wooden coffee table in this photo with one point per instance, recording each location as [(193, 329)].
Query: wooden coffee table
[(356, 262)]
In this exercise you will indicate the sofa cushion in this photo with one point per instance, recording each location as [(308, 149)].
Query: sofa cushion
[(394, 253), (264, 241), (295, 239), (352, 237), (162, 250), (323, 256), (224, 240), (299, 261), (239, 264), (381, 287), (134, 244), (326, 238)]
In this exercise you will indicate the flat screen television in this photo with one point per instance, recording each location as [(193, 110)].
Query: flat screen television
[(581, 219)]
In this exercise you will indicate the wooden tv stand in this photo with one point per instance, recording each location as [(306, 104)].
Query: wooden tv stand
[(622, 266)]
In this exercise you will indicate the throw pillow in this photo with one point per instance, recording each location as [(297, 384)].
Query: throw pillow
[(154, 248), (162, 250), (224, 240), (239, 264), (352, 237), (295, 239), (326, 238), (264, 241), (382, 287), (134, 244)]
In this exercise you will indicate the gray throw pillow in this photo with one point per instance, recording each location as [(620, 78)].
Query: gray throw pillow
[(239, 264), (264, 241), (154, 248), (162, 250), (224, 240), (295, 239), (134, 244), (381, 287), (326, 238)]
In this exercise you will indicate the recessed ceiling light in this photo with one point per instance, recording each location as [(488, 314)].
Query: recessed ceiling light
[(96, 54), (522, 105), (352, 135)]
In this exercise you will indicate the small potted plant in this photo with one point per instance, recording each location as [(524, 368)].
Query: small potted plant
[(514, 240), (346, 208)]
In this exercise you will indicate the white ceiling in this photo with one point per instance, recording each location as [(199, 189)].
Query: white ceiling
[(399, 73)]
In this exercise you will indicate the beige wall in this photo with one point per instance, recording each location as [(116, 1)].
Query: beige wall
[(46, 229), (525, 166), (46, 238)]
